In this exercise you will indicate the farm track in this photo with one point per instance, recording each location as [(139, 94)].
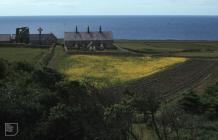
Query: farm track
[(170, 82), (125, 50)]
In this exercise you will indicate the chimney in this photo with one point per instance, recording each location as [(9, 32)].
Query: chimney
[(76, 29), (100, 30), (88, 30)]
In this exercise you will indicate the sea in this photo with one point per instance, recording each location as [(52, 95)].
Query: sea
[(123, 27)]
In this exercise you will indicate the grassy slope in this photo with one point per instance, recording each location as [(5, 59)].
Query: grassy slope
[(109, 70), (31, 55)]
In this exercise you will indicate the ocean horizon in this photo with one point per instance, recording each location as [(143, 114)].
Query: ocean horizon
[(123, 27)]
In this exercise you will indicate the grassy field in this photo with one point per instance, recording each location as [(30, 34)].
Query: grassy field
[(109, 70), (202, 49), (31, 55)]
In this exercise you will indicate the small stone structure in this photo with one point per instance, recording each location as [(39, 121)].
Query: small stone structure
[(22, 35)]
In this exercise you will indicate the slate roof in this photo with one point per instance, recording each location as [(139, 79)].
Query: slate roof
[(5, 37), (83, 36), (35, 37)]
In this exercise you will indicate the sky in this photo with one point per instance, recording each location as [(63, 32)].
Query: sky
[(108, 7)]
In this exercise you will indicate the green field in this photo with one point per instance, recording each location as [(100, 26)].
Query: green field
[(31, 55), (109, 70), (203, 49)]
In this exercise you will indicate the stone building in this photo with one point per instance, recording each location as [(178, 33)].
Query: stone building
[(5, 38), (99, 40), (23, 36)]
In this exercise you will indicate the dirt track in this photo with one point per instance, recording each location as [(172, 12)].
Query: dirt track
[(169, 82)]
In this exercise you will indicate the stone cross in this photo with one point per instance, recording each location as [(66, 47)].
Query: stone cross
[(40, 33)]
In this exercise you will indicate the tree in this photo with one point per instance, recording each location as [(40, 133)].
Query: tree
[(191, 103), (49, 107), (77, 115), (3, 68), (148, 104), (119, 121), (47, 77)]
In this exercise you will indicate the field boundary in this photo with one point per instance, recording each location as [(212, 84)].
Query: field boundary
[(118, 53), (110, 52), (170, 54), (185, 56), (45, 60)]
